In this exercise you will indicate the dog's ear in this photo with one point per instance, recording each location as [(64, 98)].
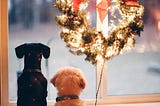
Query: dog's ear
[(20, 50), (53, 80), (45, 50), (82, 83)]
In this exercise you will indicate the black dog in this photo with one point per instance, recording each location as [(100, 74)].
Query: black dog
[(32, 85)]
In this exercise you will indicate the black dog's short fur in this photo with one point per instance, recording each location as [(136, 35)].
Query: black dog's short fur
[(32, 85)]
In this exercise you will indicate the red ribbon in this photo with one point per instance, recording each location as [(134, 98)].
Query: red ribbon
[(76, 4), (130, 0), (102, 9), (133, 3)]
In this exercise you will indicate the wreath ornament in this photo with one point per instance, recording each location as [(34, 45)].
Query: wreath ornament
[(81, 39)]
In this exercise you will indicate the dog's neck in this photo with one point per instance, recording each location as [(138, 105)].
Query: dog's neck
[(66, 97), (32, 60), (32, 70)]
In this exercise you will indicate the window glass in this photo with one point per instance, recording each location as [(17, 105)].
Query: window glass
[(32, 21), (138, 72)]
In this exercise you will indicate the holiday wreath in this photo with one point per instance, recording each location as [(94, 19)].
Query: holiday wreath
[(81, 39)]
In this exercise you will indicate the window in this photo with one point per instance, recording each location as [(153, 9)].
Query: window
[(114, 73), (32, 21), (137, 72)]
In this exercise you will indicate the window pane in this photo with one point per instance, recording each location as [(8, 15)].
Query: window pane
[(138, 71), (32, 21)]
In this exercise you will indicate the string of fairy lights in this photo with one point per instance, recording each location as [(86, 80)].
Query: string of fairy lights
[(74, 21)]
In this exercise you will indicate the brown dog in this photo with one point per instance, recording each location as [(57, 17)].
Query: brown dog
[(69, 82)]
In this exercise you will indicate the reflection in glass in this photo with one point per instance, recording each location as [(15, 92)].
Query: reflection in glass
[(138, 72)]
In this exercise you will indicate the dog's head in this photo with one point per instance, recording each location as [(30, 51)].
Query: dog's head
[(69, 81), (32, 53)]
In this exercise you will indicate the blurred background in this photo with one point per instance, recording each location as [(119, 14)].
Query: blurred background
[(33, 21), (136, 72)]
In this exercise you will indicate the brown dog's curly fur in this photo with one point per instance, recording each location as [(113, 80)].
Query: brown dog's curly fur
[(69, 81)]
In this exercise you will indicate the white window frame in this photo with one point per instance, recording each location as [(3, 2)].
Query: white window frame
[(103, 98)]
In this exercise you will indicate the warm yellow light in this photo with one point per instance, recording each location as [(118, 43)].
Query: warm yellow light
[(65, 30), (63, 1), (112, 38), (99, 58), (83, 6), (131, 17)]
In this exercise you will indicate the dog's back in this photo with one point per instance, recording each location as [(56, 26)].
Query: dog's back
[(69, 82), (32, 85), (32, 89)]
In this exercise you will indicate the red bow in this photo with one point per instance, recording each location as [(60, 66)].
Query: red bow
[(76, 4), (129, 0), (133, 3), (102, 8)]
